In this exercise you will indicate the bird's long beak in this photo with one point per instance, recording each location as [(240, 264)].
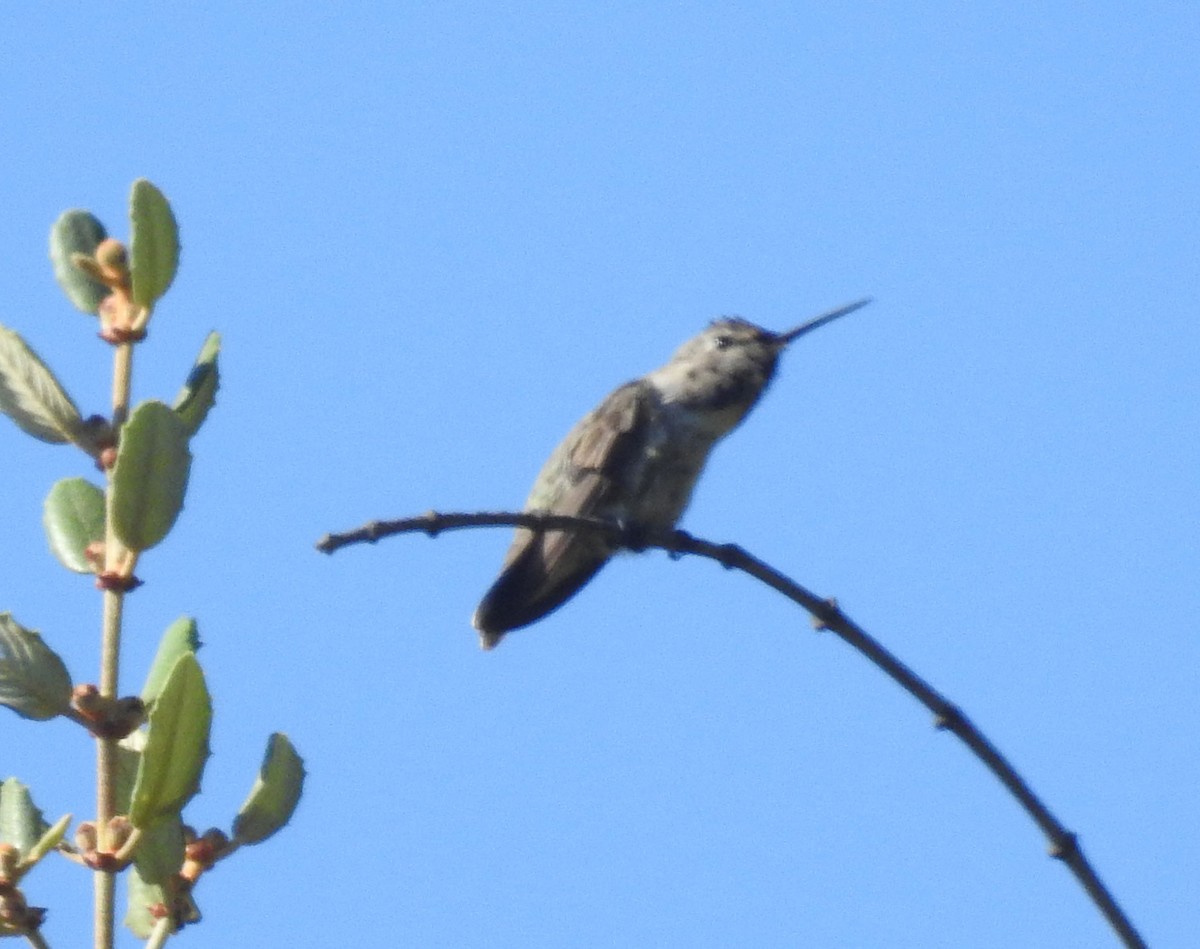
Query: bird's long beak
[(784, 338)]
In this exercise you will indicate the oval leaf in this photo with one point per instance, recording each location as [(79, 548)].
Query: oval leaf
[(34, 682), (150, 476), (180, 637), (154, 243), (74, 519), (77, 232), (176, 745), (32, 397), (200, 391), (160, 852), (155, 879), (21, 823), (275, 793), (49, 840), (143, 895)]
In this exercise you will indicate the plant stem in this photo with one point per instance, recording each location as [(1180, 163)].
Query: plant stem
[(106, 768), (36, 939), (102, 909), (122, 374), (104, 889), (160, 934)]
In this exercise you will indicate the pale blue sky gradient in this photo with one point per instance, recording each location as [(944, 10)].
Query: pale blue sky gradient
[(432, 237)]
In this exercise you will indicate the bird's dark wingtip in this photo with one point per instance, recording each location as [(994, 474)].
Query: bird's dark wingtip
[(489, 636), (509, 605)]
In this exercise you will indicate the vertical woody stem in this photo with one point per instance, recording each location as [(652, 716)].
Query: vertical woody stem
[(110, 652)]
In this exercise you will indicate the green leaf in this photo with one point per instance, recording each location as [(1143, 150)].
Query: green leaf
[(73, 516), (150, 476), (176, 745), (31, 395), (34, 682), (77, 232), (141, 895), (160, 853), (158, 859), (180, 637), (154, 243), (21, 823), (49, 840), (199, 392), (275, 794), (144, 894)]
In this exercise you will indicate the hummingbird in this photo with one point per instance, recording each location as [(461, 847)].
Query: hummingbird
[(635, 460)]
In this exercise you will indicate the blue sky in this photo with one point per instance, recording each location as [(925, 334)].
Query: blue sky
[(432, 238)]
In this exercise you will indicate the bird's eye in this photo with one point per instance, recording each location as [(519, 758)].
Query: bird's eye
[(722, 342)]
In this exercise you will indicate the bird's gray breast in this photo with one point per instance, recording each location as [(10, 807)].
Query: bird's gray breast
[(678, 444)]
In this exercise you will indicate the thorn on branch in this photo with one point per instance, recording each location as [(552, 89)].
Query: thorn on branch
[(728, 555), (831, 613), (948, 718), (1065, 847), (433, 522)]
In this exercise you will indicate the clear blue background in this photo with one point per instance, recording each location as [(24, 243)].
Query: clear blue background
[(433, 236)]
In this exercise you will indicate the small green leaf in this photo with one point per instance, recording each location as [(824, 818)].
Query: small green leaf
[(73, 516), (275, 794), (176, 745), (143, 895), (160, 853), (150, 476), (200, 391), (180, 637), (77, 232), (154, 243), (48, 841), (21, 823), (153, 881), (34, 682), (32, 397)]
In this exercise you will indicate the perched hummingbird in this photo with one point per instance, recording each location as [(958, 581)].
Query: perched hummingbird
[(635, 460)]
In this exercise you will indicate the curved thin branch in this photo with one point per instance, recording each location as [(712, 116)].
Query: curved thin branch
[(1063, 844)]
